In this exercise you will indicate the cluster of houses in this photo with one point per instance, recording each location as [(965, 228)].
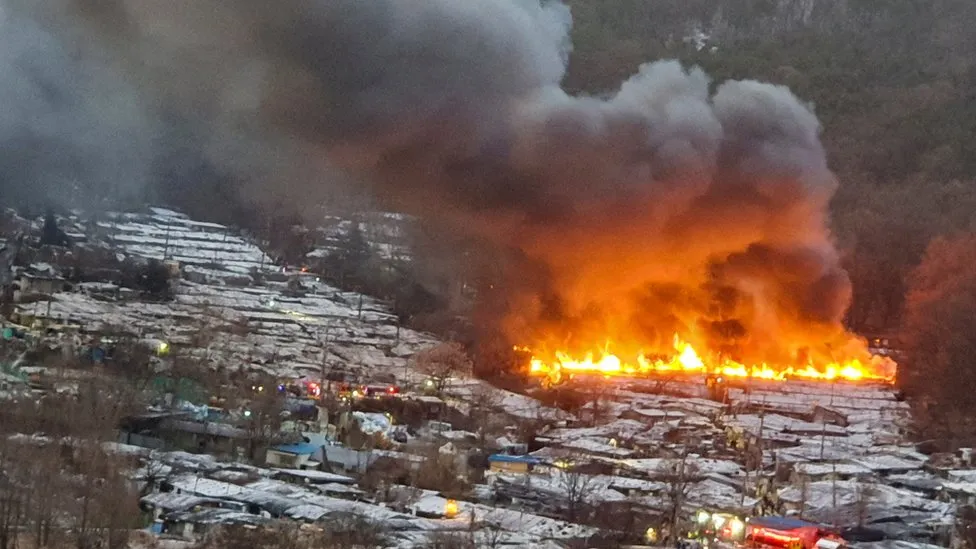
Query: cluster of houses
[(836, 453)]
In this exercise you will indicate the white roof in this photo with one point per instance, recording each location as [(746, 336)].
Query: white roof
[(701, 465), (200, 486), (820, 469), (318, 476)]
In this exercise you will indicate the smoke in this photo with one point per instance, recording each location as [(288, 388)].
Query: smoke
[(672, 205), (71, 131)]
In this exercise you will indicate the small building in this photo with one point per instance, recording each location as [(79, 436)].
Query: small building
[(304, 477), (204, 436), (652, 416), (823, 414), (813, 472), (293, 456), (192, 525), (158, 504), (501, 463), (34, 284), (432, 406)]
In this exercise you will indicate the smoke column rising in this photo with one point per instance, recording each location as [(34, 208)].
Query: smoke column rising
[(664, 208)]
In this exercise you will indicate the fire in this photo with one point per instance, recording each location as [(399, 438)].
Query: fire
[(687, 360)]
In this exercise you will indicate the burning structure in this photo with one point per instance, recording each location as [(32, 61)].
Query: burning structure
[(671, 225)]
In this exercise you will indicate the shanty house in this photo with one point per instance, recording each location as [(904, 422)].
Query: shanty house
[(33, 284), (501, 463), (195, 523), (293, 456)]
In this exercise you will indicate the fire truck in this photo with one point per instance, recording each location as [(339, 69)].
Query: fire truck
[(790, 533)]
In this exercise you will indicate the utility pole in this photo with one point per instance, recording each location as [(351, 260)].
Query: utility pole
[(679, 495), (166, 244), (325, 359), (823, 436), (759, 442), (833, 483)]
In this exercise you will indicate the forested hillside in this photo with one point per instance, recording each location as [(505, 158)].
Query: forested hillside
[(893, 84)]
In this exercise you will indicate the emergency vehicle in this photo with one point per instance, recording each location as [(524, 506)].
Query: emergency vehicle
[(790, 533)]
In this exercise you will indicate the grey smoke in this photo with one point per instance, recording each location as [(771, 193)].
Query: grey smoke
[(70, 129), (452, 110)]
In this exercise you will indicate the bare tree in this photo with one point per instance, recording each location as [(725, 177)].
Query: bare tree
[(65, 483), (576, 486), (491, 535), (13, 494), (104, 506), (277, 536), (440, 473), (152, 472), (442, 362), (382, 475), (965, 531), (354, 531), (804, 494), (450, 540), (865, 494), (677, 476), (340, 531), (261, 407), (597, 402), (484, 404)]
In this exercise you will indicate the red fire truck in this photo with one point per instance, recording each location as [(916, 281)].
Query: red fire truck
[(790, 533)]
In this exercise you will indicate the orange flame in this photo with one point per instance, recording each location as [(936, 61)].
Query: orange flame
[(686, 360)]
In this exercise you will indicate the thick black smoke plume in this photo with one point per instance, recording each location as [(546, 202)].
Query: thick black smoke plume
[(667, 207)]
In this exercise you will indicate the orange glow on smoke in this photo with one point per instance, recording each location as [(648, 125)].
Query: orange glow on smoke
[(685, 359)]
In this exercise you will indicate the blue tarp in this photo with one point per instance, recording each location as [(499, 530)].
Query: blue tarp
[(301, 448), (514, 459)]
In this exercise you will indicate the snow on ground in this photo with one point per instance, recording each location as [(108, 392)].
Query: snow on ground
[(288, 337), (316, 329), (167, 235)]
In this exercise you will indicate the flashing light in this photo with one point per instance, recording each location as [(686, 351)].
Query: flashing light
[(736, 527), (247, 413), (356, 393), (429, 383), (702, 517), (392, 390), (162, 348), (450, 508)]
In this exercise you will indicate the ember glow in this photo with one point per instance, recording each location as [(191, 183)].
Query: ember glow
[(685, 359)]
